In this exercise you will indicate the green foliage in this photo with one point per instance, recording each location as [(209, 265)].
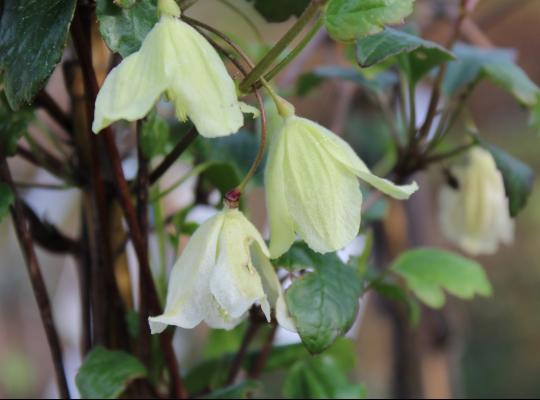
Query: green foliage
[(280, 10), (13, 125), (241, 391), (124, 28), (155, 134), (394, 292), (106, 374), (322, 303), (415, 55), (348, 20), (428, 271), (496, 65), (377, 84), (320, 378), (518, 178), (33, 34), (6, 200)]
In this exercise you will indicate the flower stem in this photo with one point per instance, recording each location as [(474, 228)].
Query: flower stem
[(263, 65), (297, 50)]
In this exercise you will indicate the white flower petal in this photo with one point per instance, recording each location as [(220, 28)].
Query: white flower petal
[(282, 234), (269, 279), (235, 283), (188, 299), (323, 196)]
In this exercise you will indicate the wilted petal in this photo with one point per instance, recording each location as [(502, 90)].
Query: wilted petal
[(235, 283), (189, 300)]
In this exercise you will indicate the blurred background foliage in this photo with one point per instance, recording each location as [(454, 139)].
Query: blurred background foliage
[(485, 348)]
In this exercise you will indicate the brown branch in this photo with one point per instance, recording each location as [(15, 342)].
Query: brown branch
[(49, 163), (265, 353), (38, 284), (124, 196), (171, 158), (45, 101), (238, 360)]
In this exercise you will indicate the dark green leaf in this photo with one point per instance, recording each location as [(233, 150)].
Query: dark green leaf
[(311, 80), (124, 29), (428, 271), (6, 199), (155, 134), (394, 292), (320, 378), (13, 125), (33, 34), (323, 303), (496, 65), (241, 391), (348, 20), (106, 374), (418, 56), (280, 10), (518, 178)]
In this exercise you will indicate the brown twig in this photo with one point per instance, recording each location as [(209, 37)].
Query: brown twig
[(171, 158), (238, 360), (43, 100), (38, 285), (48, 162), (130, 215), (260, 362)]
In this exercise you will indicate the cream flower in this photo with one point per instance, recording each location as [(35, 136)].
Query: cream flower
[(475, 215), (177, 61), (312, 187), (221, 273)]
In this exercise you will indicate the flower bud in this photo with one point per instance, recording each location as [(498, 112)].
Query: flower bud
[(474, 211)]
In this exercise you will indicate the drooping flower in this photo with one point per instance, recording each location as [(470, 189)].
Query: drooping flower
[(312, 187), (474, 211), (175, 60), (222, 272)]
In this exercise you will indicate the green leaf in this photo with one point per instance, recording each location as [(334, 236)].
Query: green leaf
[(320, 378), (428, 271), (323, 303), (13, 125), (417, 56), (33, 34), (106, 374), (124, 29), (313, 79), (6, 200), (394, 292), (241, 391), (518, 178), (155, 134), (280, 10), (514, 80), (348, 20), (496, 65)]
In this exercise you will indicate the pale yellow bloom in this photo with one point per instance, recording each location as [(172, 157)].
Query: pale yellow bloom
[(177, 61), (475, 215), (221, 273), (312, 187)]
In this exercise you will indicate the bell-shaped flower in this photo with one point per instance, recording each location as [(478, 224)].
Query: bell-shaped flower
[(312, 188), (474, 211), (223, 271), (175, 60)]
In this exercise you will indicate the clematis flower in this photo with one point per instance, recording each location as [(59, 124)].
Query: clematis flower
[(175, 60), (312, 187), (221, 273), (474, 213)]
